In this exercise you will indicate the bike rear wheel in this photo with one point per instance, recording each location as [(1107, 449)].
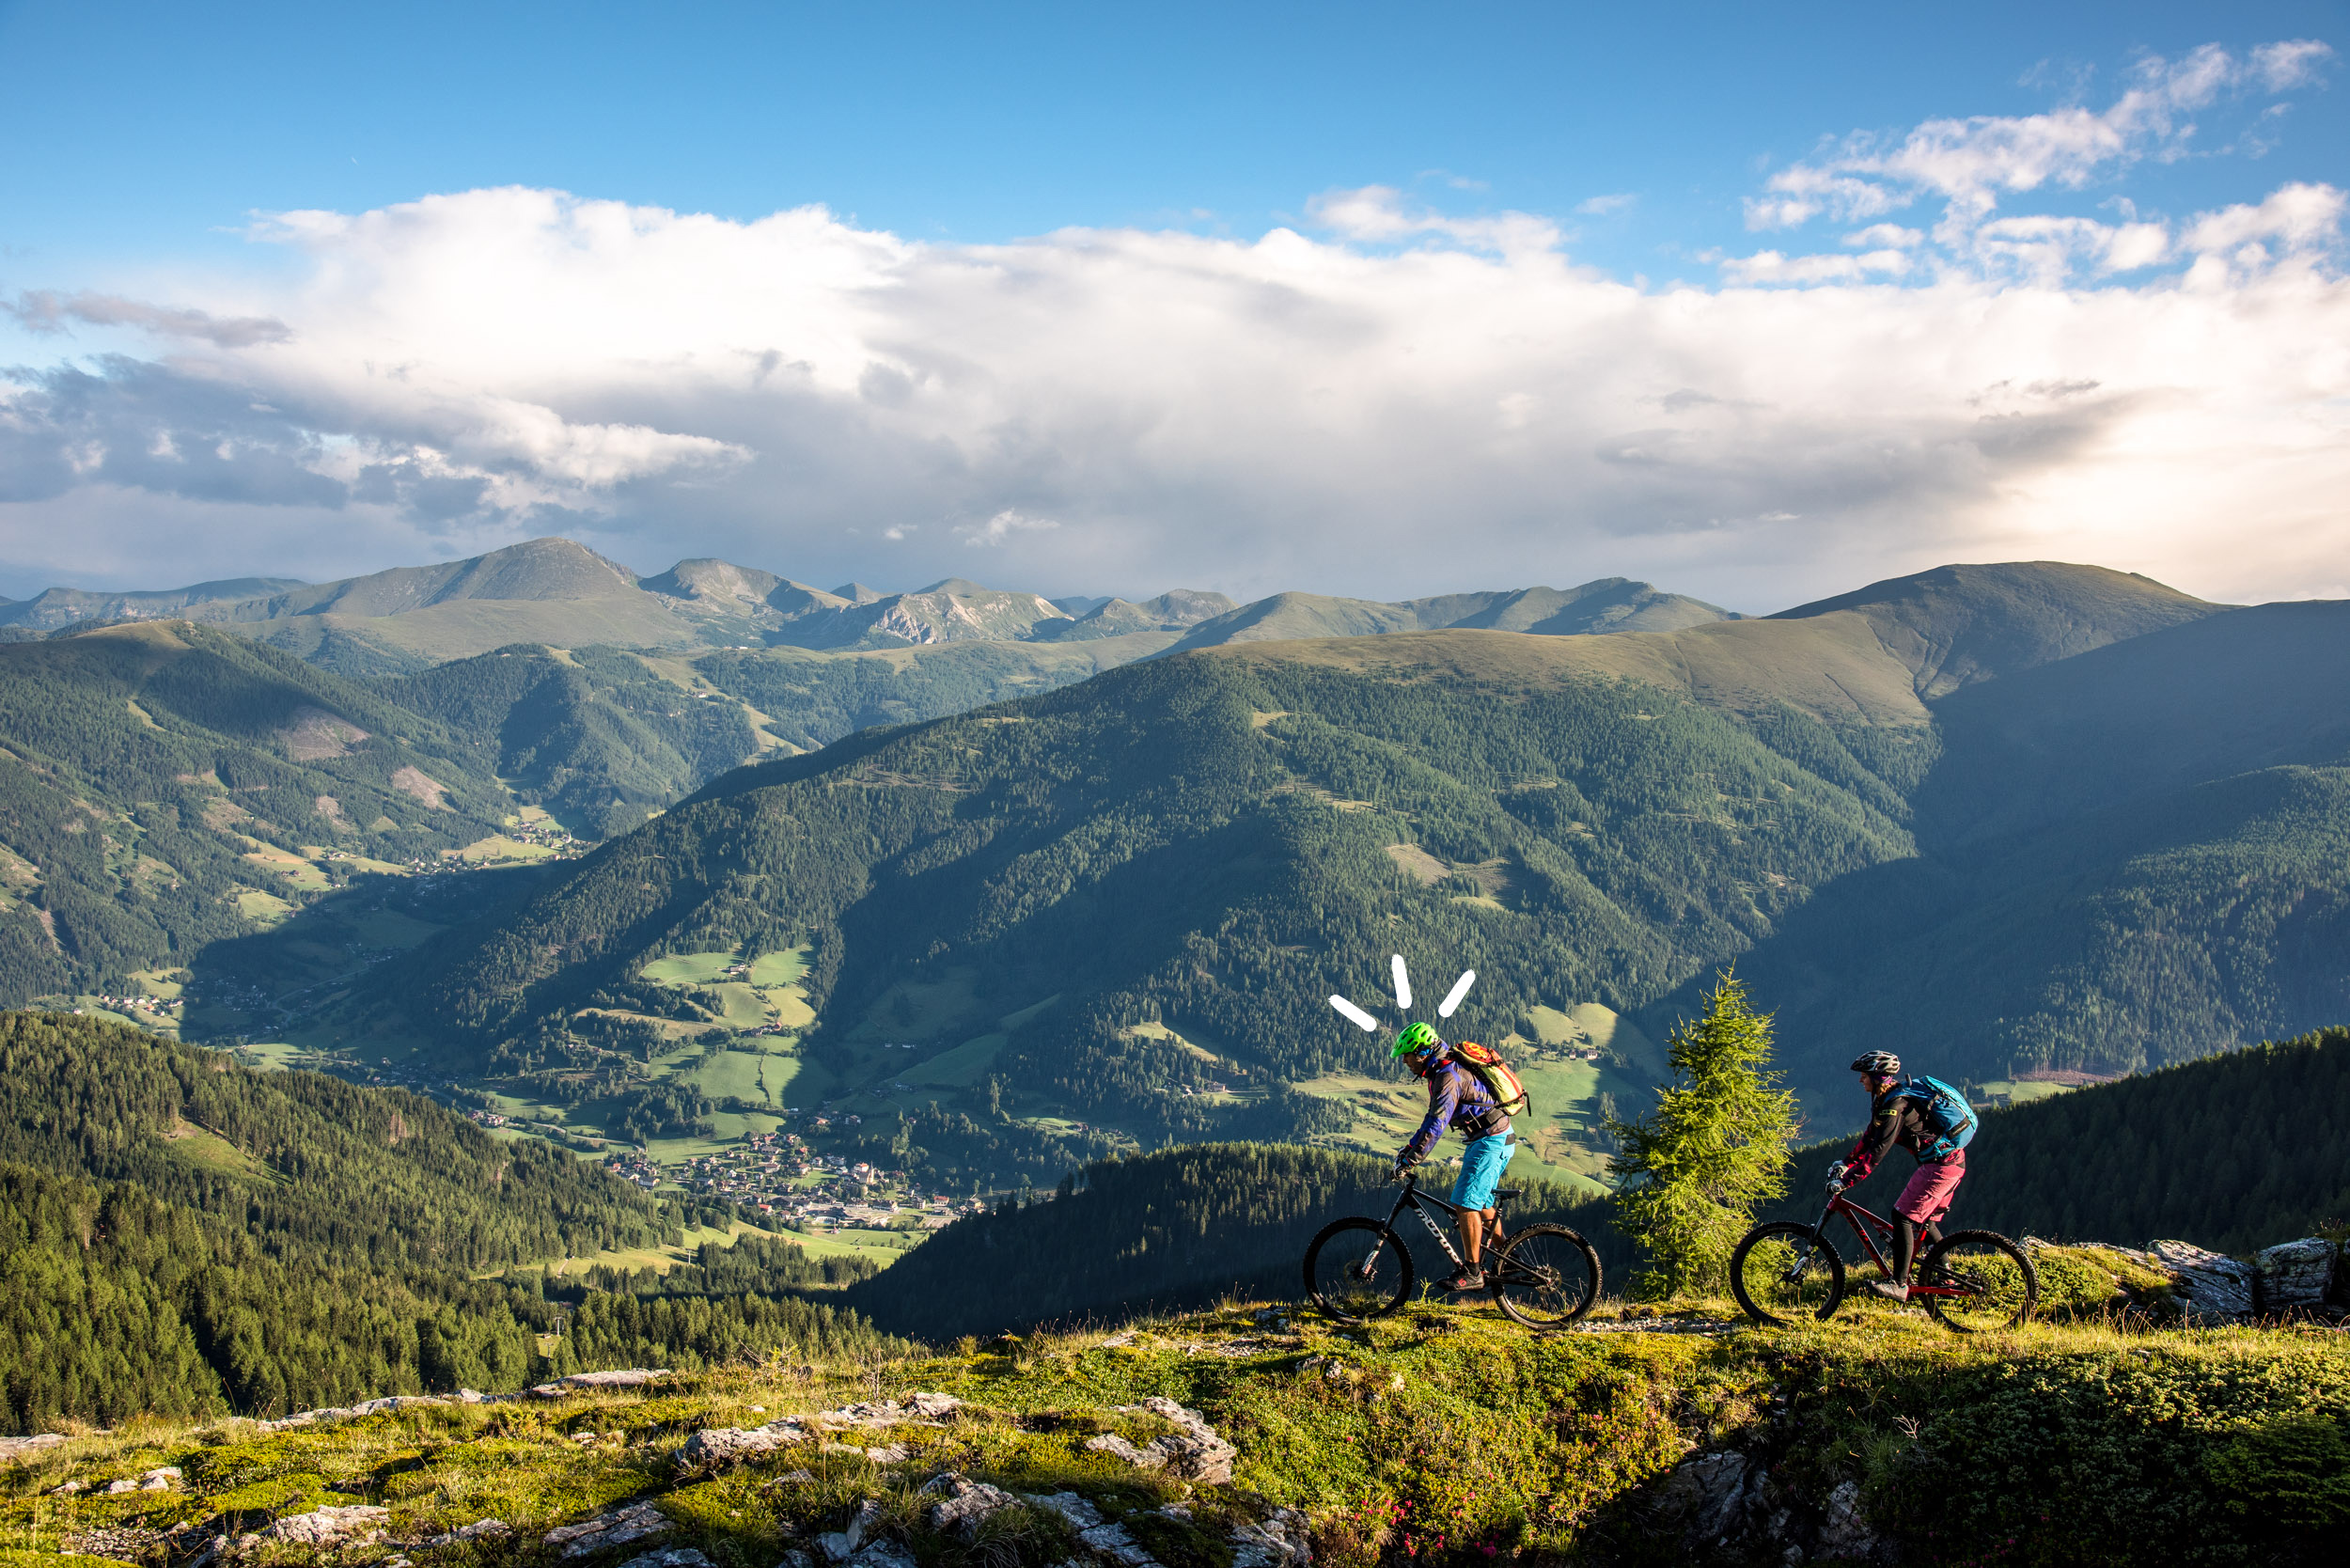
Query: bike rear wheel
[(1357, 1269), (2001, 1285), (1545, 1276), (1785, 1273)]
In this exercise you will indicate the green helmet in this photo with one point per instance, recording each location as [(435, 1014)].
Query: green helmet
[(1416, 1037)]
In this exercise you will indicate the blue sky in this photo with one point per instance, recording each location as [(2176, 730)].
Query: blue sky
[(1655, 145), (139, 130)]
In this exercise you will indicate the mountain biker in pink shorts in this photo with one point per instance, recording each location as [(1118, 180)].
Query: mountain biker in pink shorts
[(1907, 1112)]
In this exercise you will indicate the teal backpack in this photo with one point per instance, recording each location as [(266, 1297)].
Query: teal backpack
[(1945, 1113)]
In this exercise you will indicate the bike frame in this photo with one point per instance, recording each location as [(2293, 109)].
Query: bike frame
[(1420, 1203), (1862, 1222)]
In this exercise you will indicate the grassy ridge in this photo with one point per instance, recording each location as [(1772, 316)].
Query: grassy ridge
[(1439, 1437)]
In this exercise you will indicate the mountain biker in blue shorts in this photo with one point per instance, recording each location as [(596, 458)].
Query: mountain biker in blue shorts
[(1459, 1098)]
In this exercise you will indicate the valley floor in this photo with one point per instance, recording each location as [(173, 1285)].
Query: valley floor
[(1442, 1434)]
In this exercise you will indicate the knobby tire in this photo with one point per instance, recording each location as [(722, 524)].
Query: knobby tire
[(1348, 1244), (1545, 1276), (2010, 1284), (1769, 1297)]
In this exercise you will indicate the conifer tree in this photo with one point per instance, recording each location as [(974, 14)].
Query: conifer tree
[(1693, 1172)]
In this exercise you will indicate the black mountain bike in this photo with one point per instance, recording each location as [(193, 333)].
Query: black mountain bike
[(1970, 1281), (1544, 1277)]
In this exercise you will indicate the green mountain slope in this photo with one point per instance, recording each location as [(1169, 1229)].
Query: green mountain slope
[(1609, 605), (597, 737), (1127, 901), (1957, 624), (164, 786), (2128, 857), (57, 608), (1164, 872)]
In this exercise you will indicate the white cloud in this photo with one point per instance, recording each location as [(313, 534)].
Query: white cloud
[(1882, 236), (1770, 266), (1971, 164), (1001, 526), (1376, 214), (1406, 404), (46, 313), (1603, 206)]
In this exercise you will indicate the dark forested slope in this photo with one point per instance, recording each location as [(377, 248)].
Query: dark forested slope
[(180, 1235), (1160, 1232)]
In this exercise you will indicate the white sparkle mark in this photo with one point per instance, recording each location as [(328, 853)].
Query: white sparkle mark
[(1360, 1019), (1402, 985), (1460, 989)]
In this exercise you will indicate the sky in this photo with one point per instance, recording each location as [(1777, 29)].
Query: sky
[(1369, 299)]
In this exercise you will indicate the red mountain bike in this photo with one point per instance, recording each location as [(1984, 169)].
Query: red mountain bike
[(1970, 1281)]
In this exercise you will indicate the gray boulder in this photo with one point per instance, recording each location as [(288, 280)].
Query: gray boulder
[(2295, 1275), (1277, 1542), (2212, 1288), (968, 1504), (356, 1525), (716, 1446), (1706, 1496), (616, 1528)]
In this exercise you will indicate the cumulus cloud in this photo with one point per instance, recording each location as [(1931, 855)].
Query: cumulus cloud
[(1394, 400)]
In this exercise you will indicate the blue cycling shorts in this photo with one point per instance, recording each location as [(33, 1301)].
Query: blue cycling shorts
[(1482, 1165)]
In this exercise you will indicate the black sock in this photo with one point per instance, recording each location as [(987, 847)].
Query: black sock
[(1904, 1247)]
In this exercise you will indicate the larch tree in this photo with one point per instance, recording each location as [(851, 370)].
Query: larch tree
[(1692, 1172)]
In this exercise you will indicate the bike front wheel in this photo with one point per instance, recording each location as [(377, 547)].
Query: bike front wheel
[(1784, 1273), (1545, 1276), (1357, 1269), (1990, 1282)]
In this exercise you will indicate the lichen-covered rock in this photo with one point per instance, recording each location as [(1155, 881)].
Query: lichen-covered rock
[(1846, 1532), (966, 1505), (1706, 1496), (1192, 1451), (1280, 1541), (2211, 1287), (1115, 1543), (1081, 1514), (25, 1448), (717, 1446), (2295, 1275), (669, 1557), (883, 1554), (631, 1378), (1119, 1448), (356, 1525), (617, 1529), (480, 1529)]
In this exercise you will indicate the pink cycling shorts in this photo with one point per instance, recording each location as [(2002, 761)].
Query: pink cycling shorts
[(1927, 1197)]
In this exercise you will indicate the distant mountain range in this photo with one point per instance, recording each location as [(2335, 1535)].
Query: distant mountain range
[(1099, 863), (562, 594)]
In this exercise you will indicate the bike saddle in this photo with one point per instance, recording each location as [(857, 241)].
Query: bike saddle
[(1500, 1192)]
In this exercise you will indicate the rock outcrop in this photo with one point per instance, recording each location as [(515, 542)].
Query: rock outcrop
[(637, 1522)]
